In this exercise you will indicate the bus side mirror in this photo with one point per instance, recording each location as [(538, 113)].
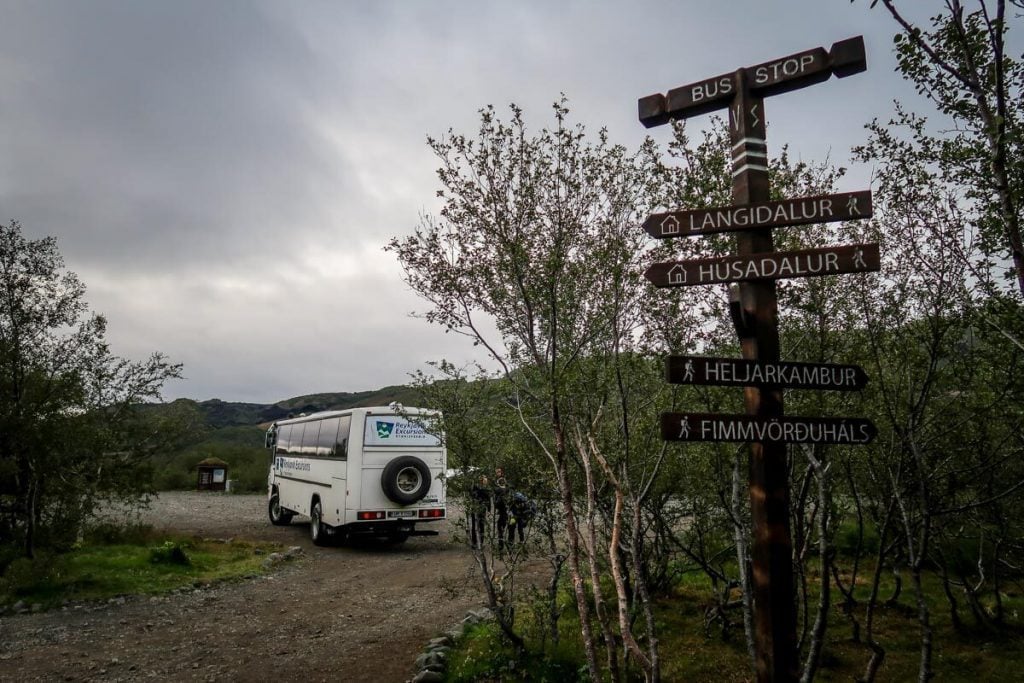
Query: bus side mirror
[(269, 439)]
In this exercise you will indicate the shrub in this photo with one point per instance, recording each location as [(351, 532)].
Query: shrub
[(846, 539), (27, 575), (169, 553), (111, 533)]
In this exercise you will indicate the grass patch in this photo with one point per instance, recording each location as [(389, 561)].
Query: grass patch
[(689, 653), (134, 561), (486, 656)]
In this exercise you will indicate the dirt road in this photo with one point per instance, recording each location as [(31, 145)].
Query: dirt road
[(336, 614)]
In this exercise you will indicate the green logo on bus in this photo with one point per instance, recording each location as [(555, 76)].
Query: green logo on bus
[(384, 429)]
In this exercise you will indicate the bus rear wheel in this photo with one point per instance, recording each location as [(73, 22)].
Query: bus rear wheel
[(278, 515), (317, 529)]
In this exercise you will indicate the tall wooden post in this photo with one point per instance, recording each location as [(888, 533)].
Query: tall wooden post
[(755, 311), (772, 552)]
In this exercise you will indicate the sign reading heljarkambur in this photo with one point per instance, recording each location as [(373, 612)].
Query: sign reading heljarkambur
[(856, 258), (745, 428), (824, 209), (741, 372)]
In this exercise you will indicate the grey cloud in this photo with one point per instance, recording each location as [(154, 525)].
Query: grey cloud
[(175, 130), (224, 174)]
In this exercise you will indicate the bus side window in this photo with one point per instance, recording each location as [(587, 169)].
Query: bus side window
[(325, 442), (341, 445), (284, 435), (309, 436)]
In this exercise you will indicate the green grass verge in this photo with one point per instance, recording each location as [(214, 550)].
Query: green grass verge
[(688, 653), (138, 562)]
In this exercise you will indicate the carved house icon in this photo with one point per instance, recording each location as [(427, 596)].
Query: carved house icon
[(670, 226), (677, 275)]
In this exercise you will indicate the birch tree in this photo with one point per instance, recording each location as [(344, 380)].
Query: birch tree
[(70, 434)]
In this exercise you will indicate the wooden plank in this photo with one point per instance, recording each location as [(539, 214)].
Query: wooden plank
[(705, 427), (829, 208), (773, 77), (856, 258), (742, 372)]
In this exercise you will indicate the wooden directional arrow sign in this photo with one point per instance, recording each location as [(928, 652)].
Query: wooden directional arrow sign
[(770, 78), (739, 372), (857, 258), (744, 428), (823, 209)]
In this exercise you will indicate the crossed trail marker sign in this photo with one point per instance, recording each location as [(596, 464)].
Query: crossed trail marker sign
[(756, 267), (770, 78)]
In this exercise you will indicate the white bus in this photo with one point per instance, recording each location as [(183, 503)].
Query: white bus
[(364, 471)]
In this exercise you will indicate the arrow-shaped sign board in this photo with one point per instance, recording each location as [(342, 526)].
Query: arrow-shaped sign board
[(852, 431), (801, 211), (740, 372), (856, 258), (770, 78)]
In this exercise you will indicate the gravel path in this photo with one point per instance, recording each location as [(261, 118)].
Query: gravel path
[(333, 614)]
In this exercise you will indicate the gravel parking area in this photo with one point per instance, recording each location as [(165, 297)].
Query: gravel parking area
[(334, 614)]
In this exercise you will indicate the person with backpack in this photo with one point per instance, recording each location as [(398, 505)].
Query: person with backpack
[(479, 504), (523, 510)]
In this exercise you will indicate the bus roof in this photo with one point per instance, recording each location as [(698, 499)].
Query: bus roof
[(368, 410)]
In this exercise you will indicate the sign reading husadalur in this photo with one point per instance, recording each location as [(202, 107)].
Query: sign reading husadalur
[(856, 258)]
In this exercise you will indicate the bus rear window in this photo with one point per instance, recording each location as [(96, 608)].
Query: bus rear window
[(392, 430)]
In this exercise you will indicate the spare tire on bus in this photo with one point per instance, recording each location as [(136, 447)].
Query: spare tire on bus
[(405, 480)]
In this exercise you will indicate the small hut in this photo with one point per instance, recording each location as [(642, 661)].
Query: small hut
[(213, 474)]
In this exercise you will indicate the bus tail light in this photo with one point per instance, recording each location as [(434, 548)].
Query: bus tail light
[(369, 515), (435, 513)]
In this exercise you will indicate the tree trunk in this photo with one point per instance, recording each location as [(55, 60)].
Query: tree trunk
[(500, 613), (824, 597), (743, 559), (29, 504), (625, 628), (572, 532), (636, 552), (557, 562), (595, 577)]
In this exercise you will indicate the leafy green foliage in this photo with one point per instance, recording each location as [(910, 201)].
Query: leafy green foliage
[(485, 655), (973, 145), (71, 433), (169, 553)]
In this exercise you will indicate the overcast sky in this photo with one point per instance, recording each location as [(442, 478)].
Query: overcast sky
[(223, 175)]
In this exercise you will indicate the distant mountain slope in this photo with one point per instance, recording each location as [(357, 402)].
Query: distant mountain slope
[(217, 413)]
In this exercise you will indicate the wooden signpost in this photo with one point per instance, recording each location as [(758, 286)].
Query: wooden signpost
[(756, 266)]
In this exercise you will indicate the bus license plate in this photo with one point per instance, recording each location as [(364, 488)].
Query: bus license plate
[(402, 513)]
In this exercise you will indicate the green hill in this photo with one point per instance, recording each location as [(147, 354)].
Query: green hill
[(234, 431)]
